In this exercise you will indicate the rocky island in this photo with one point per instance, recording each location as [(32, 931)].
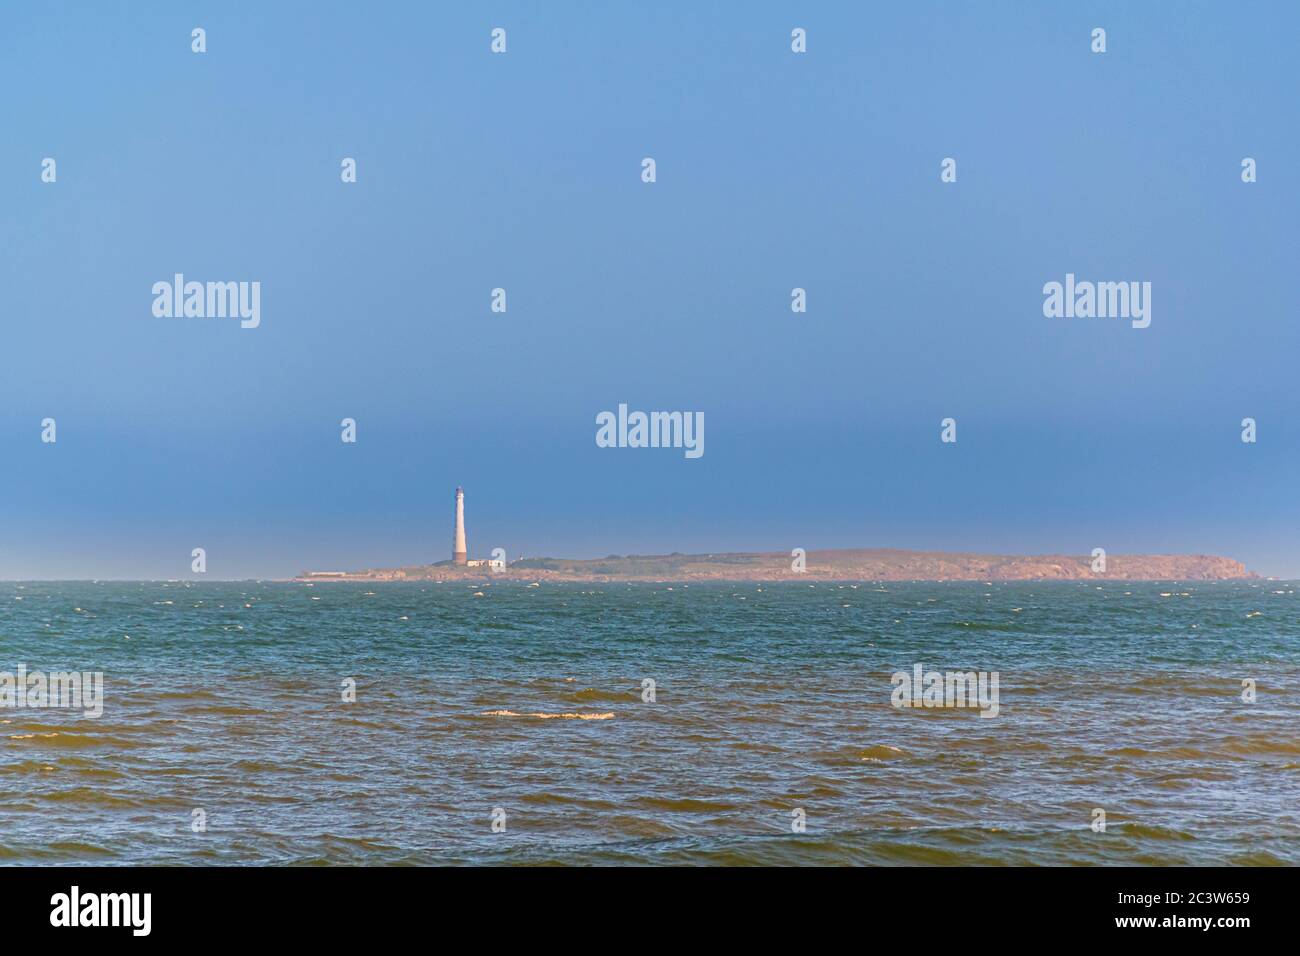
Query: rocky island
[(858, 564)]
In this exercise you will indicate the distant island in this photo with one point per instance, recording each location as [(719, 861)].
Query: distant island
[(858, 564)]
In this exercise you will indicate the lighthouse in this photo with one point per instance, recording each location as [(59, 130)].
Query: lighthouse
[(459, 554)]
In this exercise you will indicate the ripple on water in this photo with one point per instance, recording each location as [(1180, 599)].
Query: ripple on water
[(530, 700)]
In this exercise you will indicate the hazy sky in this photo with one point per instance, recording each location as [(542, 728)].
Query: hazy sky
[(523, 171)]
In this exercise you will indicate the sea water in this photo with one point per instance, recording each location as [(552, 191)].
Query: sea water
[(353, 723)]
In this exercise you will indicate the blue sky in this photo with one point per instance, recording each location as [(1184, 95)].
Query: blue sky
[(522, 171)]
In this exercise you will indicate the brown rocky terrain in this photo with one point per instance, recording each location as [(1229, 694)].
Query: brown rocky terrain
[(868, 564)]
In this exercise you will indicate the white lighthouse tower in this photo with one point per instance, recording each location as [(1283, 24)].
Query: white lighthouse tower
[(459, 553)]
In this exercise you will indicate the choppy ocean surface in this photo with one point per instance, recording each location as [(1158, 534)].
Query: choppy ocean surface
[(769, 698)]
